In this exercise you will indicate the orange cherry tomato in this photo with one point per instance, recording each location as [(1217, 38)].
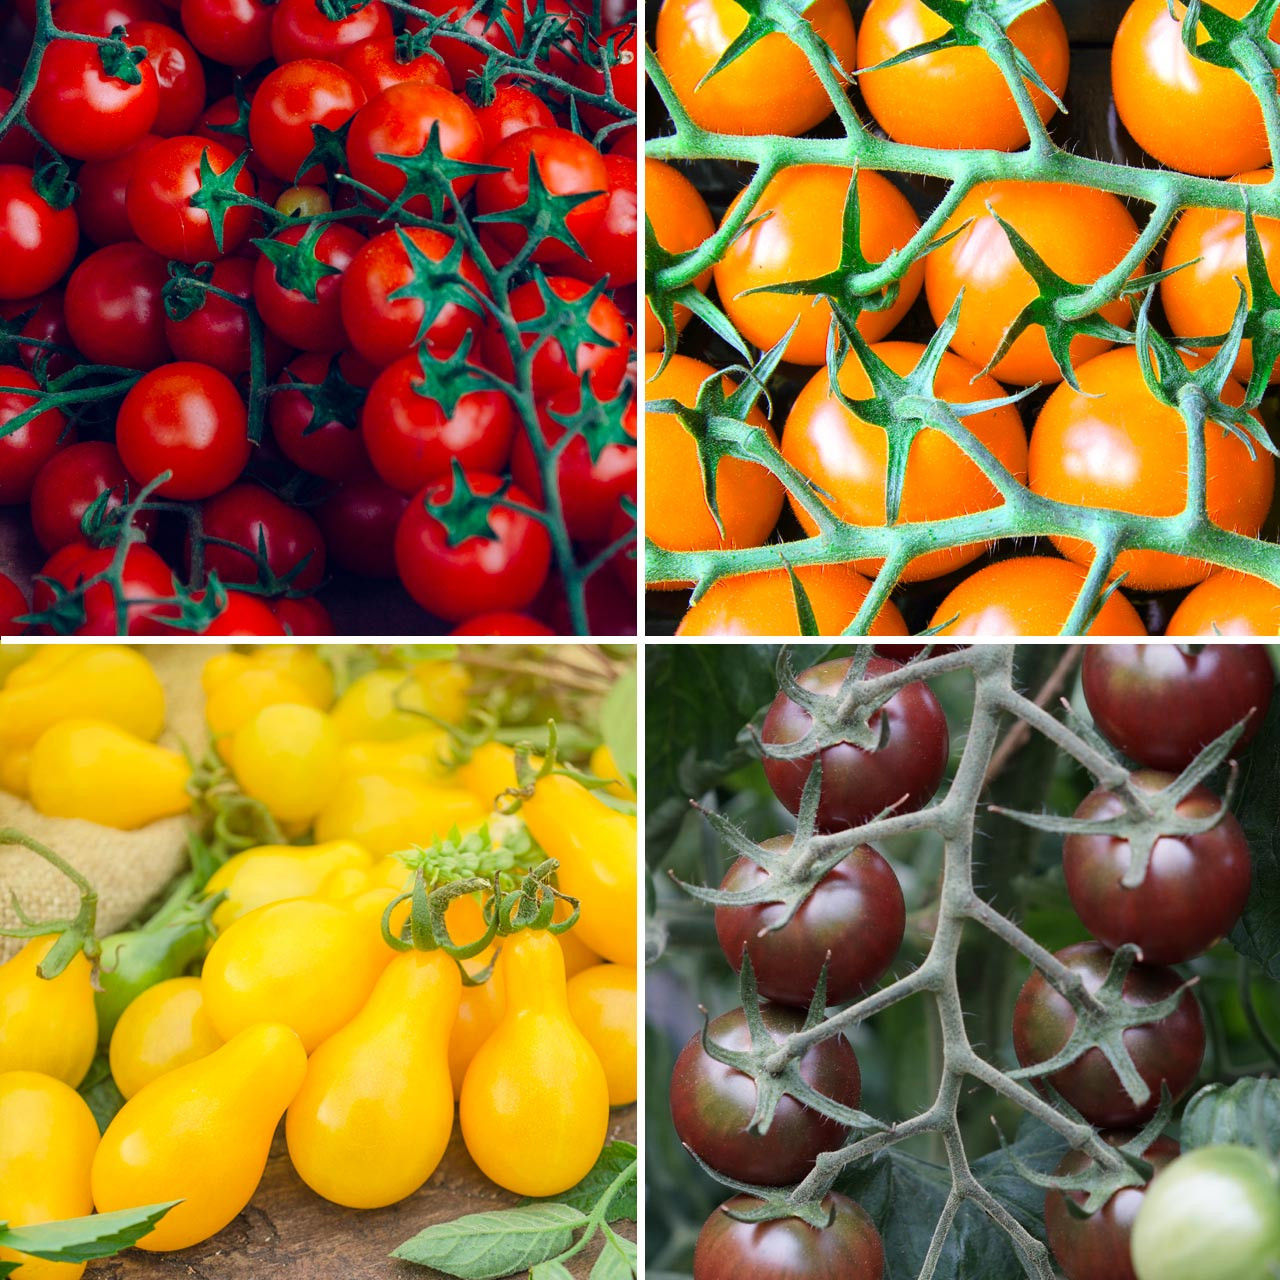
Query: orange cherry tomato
[(681, 221), (1201, 299), (1228, 604), (1029, 596), (1116, 446), (955, 97), (1080, 233), (676, 512), (1187, 113), (771, 88), (796, 236), (763, 604), (845, 457)]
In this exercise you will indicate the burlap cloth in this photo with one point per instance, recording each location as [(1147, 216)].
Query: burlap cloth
[(128, 868)]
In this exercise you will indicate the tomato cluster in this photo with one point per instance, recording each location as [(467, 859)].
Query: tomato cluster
[(948, 371), (303, 289)]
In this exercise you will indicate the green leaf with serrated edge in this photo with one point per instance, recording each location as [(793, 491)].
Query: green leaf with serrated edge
[(1246, 1113), (486, 1246), (617, 1260), (612, 1162), (552, 1270), (84, 1239)]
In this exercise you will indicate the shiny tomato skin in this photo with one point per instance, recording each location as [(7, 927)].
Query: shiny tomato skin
[(13, 604), (69, 483), (902, 773), (1080, 233), (245, 615), (25, 451), (846, 458), (1161, 704), (115, 311), (500, 571), (712, 1103), (189, 419), (788, 1248), (1228, 604), (95, 18), (500, 23), (852, 924), (589, 74), (180, 81), (1194, 889), (249, 516), (512, 109), (412, 441), (502, 624), (383, 329), (84, 113), (611, 249), (37, 242), (798, 237), (376, 66), (933, 100), (676, 513), (303, 616), (1187, 113), (296, 319), (763, 604), (681, 221), (104, 218), (234, 32), (1114, 445), (769, 89), (1097, 1247), (360, 523), (1168, 1051), (300, 30), (334, 448), (46, 323), (291, 100), (146, 587), (158, 200)]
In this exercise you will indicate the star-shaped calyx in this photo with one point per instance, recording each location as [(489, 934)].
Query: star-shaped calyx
[(543, 215), (435, 283), (217, 193), (296, 265)]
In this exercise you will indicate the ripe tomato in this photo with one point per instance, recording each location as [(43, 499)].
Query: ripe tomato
[(1228, 604), (244, 615), (492, 558), (681, 221), (179, 76), (299, 298), (377, 65), (161, 212), (1201, 299), (1168, 1051), (69, 483), (1097, 1247), (1160, 704), (412, 440), (19, 147), (797, 236), (289, 103), (1114, 445), (604, 363), (588, 73), (567, 165), (104, 218), (1194, 889), (851, 924), (1080, 233), (763, 604), (186, 418), (400, 122), (45, 337), (251, 517), (955, 97), (1028, 596), (13, 604), (677, 516), (234, 32), (360, 523), (114, 308), (769, 89), (383, 328), (37, 241), (499, 22), (611, 249), (318, 429), (729, 1249), (501, 624), (23, 452), (904, 771), (712, 1103), (101, 17), (145, 592), (513, 108), (84, 112), (301, 29), (846, 458), (303, 616), (1187, 113)]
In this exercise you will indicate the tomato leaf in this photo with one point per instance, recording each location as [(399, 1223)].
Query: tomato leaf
[(553, 1270), (486, 1246), (84, 1239), (617, 1260), (618, 723), (1246, 1113), (613, 1163)]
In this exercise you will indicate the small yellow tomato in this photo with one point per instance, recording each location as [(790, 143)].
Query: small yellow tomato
[(48, 1137), (234, 702), (391, 703), (47, 1025), (166, 1027), (302, 664), (286, 756), (602, 1000), (536, 1074), (603, 765), (305, 201), (304, 963), (373, 1116), (421, 753), (200, 1134), (15, 770), (14, 656)]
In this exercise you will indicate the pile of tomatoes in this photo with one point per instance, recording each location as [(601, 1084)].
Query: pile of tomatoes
[(397, 940), (297, 291), (938, 399)]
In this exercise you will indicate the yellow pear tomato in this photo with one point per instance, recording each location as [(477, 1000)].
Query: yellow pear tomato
[(47, 1025), (389, 703), (286, 756), (166, 1027), (602, 1000), (300, 663)]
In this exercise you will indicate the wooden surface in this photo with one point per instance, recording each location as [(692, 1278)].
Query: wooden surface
[(289, 1231)]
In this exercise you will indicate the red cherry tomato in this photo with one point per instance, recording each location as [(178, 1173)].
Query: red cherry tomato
[(501, 25), (242, 615), (13, 604), (289, 103), (360, 523), (501, 624), (303, 616), (179, 76), (37, 241), (96, 18), (234, 32), (17, 146), (104, 219), (299, 29), (24, 451), (300, 300), (618, 46), (70, 483), (250, 517), (46, 323), (512, 110), (376, 63), (318, 429), (611, 247), (132, 607), (114, 308)]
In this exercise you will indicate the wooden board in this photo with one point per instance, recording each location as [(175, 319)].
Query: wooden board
[(289, 1231)]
